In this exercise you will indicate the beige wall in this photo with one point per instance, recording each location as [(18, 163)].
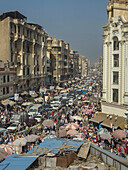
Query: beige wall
[(113, 110), (118, 9), (4, 40)]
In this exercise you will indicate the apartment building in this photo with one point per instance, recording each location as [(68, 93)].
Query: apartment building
[(7, 80), (83, 66), (115, 59), (74, 57), (58, 53), (24, 46)]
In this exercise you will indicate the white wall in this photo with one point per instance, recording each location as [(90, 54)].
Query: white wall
[(113, 110)]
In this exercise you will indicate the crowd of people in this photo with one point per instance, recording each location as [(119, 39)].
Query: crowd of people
[(79, 113)]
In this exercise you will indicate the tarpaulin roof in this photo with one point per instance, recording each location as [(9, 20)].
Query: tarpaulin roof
[(54, 144), (100, 117), (17, 163)]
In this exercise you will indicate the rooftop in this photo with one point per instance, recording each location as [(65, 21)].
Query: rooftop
[(13, 14)]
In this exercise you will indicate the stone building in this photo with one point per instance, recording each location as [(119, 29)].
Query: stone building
[(7, 80), (74, 56), (58, 55), (83, 66), (23, 45), (115, 59)]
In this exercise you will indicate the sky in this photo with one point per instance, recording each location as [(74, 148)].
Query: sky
[(77, 22)]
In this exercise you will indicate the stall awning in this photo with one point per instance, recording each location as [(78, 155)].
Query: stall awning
[(109, 120), (100, 117), (113, 121)]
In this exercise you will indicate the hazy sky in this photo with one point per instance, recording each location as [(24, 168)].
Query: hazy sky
[(77, 22)]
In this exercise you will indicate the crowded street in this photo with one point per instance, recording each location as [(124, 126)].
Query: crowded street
[(69, 112)]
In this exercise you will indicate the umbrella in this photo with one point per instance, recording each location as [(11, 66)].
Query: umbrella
[(71, 126), (20, 141), (32, 138), (102, 130), (120, 134), (3, 154), (106, 135), (48, 123), (72, 132), (77, 117), (7, 149), (62, 133)]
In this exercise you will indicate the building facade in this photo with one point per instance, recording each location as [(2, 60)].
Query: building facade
[(24, 46), (7, 80), (74, 57), (83, 66), (115, 59), (58, 54)]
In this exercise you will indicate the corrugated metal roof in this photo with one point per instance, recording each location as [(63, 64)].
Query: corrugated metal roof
[(22, 163), (17, 163), (53, 144)]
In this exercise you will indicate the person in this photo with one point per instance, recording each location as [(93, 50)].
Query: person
[(126, 145), (1, 140)]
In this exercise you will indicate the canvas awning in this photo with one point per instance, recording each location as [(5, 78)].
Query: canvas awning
[(113, 121), (100, 117)]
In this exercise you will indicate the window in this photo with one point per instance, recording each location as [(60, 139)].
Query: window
[(55, 49), (115, 77), (115, 95), (15, 28), (19, 30), (65, 63), (11, 56), (4, 79), (28, 71), (27, 33), (3, 91), (8, 78), (115, 44), (116, 60), (7, 88), (38, 68), (27, 60), (23, 46), (28, 49), (24, 71), (37, 60), (23, 59), (34, 71), (43, 39)]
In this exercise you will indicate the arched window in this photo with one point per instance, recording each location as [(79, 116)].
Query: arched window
[(115, 43)]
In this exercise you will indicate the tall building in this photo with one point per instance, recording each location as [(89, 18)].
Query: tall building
[(58, 53), (83, 66), (24, 46), (115, 59), (74, 56)]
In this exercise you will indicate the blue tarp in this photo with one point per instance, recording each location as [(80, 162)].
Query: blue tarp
[(12, 98), (22, 163), (17, 163), (54, 143)]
